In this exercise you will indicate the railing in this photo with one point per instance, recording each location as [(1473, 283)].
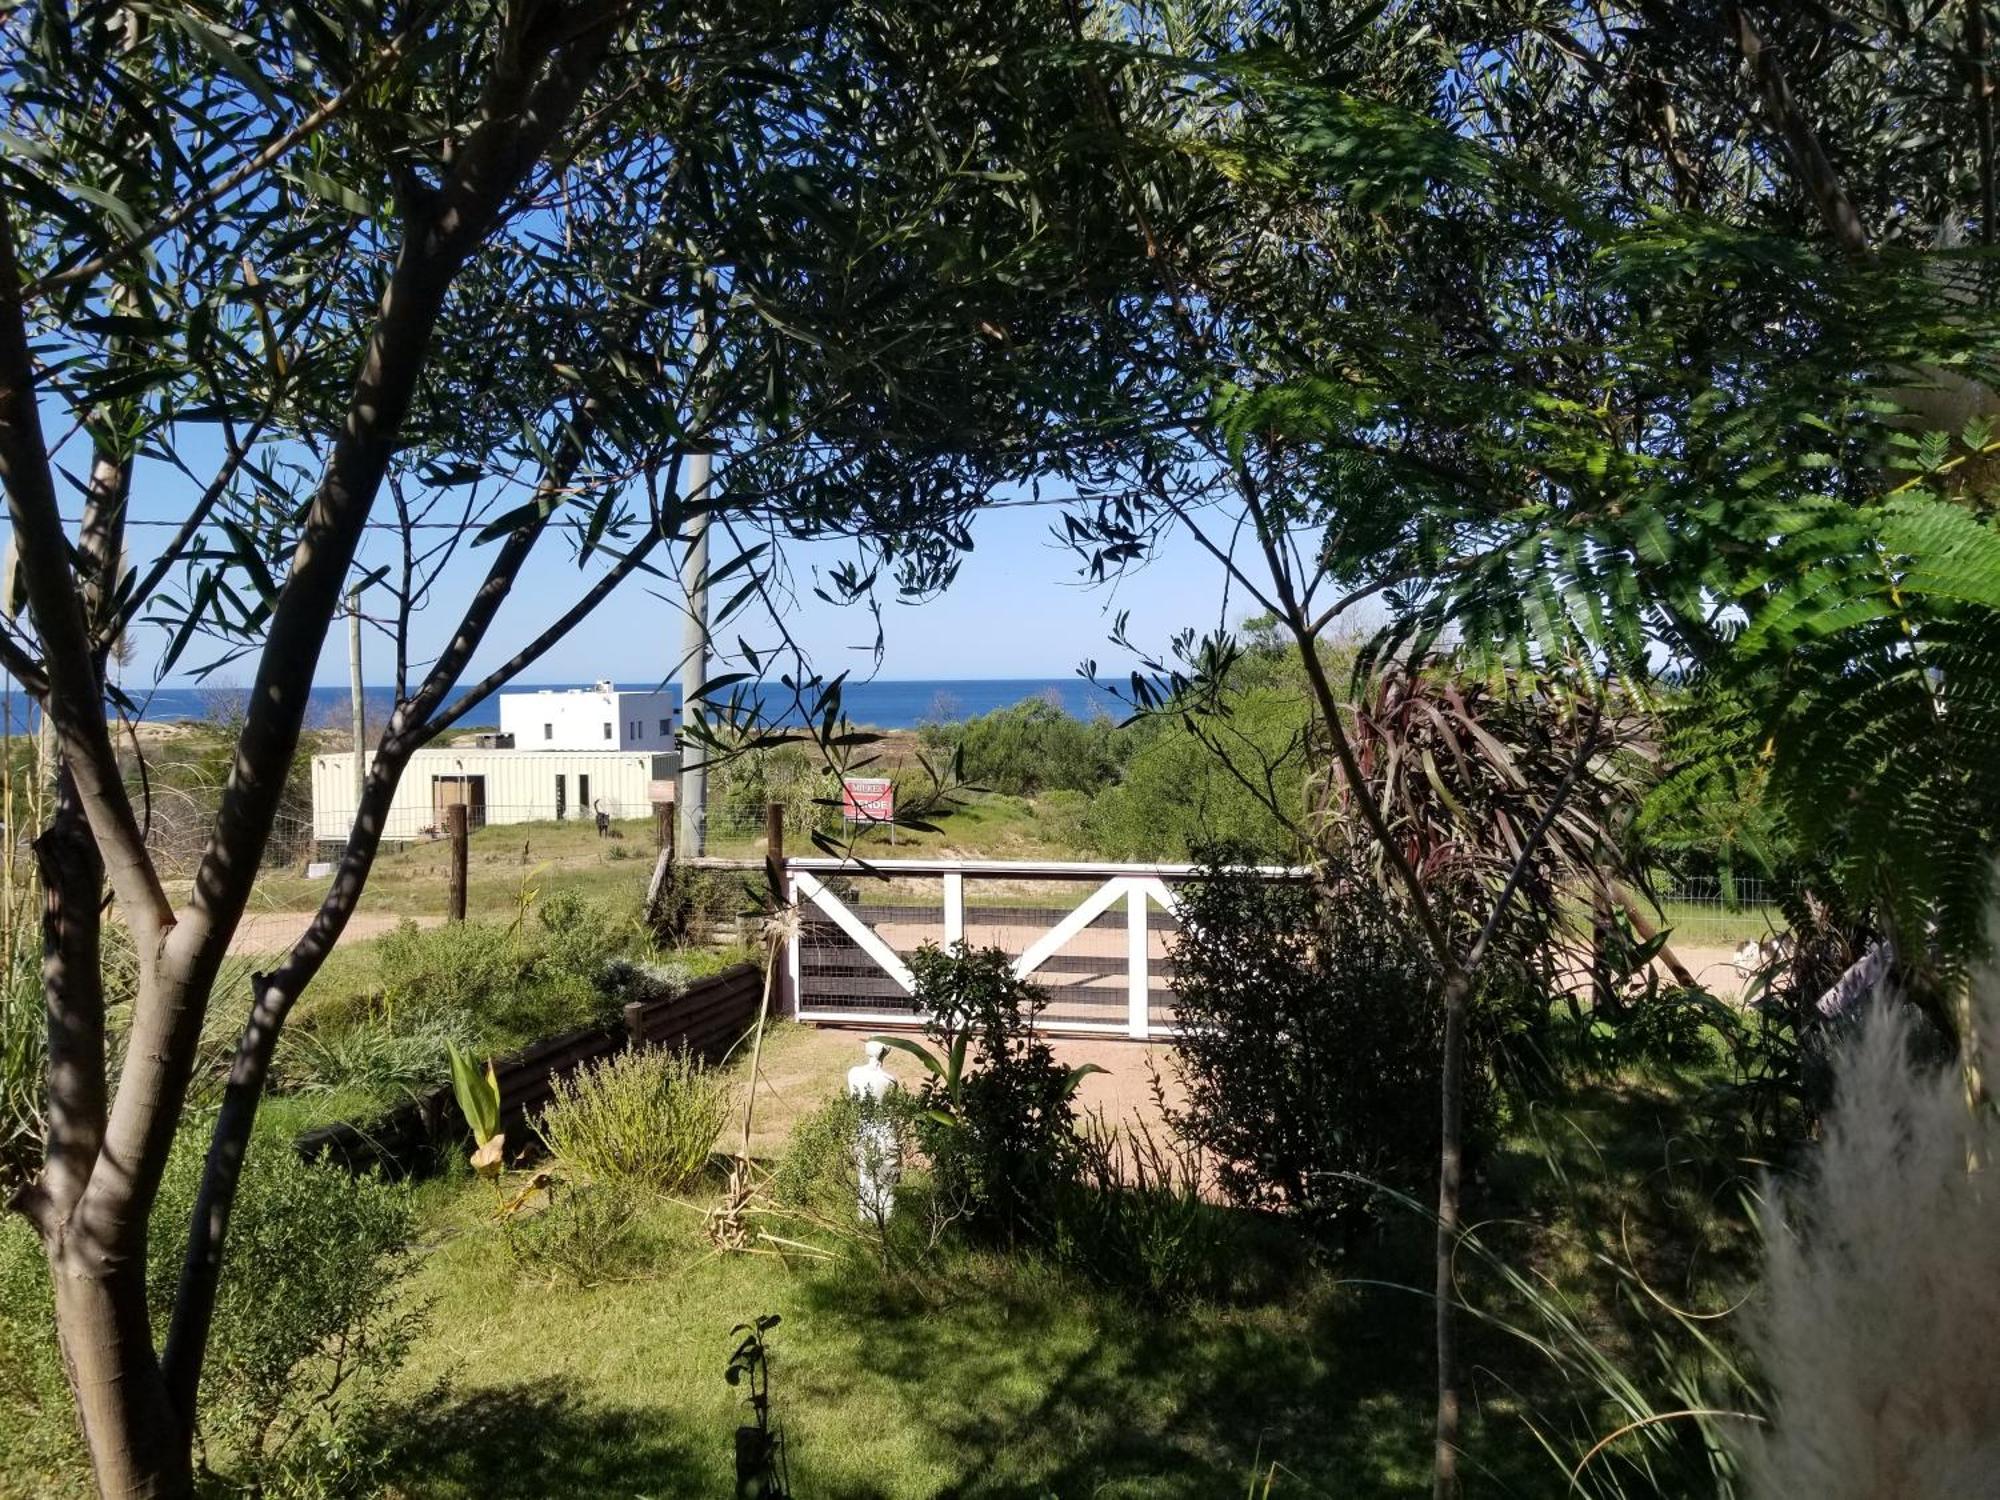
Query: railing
[(1097, 938)]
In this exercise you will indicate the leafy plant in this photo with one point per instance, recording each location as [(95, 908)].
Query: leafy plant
[(761, 1470), (642, 1119), (1311, 1035), (478, 1096), (999, 1121), (314, 1319)]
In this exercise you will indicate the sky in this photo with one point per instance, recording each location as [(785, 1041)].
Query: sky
[(1018, 609)]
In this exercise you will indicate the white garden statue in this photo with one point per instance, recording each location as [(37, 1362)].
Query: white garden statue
[(878, 1159)]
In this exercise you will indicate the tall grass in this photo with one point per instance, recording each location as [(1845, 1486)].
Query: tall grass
[(23, 1051), (640, 1119), (1881, 1294)]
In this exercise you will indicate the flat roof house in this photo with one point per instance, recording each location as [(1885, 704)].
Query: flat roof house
[(572, 752), (593, 718)]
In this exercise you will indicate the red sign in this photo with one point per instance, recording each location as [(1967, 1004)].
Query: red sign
[(868, 799)]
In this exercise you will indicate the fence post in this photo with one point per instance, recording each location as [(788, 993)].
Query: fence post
[(774, 849), (954, 907), (781, 897), (454, 825), (663, 827), (1138, 979)]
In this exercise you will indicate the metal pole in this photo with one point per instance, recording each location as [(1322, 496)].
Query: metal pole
[(359, 707), (694, 661)]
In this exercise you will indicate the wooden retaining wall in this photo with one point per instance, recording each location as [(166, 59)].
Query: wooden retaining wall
[(707, 1018)]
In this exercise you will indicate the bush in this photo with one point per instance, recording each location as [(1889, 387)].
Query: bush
[(999, 1121), (1312, 1027), (585, 1235), (1137, 1218), (1034, 746), (640, 1119), (1178, 795), (309, 1324), (820, 1175), (1063, 817), (482, 988)]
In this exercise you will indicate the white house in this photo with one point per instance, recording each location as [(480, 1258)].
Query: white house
[(594, 718), (497, 786)]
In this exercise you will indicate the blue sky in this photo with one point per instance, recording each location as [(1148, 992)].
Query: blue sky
[(1018, 609)]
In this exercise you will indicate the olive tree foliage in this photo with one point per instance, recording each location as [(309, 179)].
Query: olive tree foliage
[(373, 296), (1648, 346)]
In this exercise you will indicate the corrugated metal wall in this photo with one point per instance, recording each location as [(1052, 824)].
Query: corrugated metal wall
[(515, 786)]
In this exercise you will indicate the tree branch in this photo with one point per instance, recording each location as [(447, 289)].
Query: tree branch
[(168, 222), (1808, 157), (73, 700)]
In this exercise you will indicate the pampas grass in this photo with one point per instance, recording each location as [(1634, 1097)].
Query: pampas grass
[(1879, 1339)]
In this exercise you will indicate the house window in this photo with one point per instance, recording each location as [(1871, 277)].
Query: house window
[(607, 731), (548, 731), (666, 726)]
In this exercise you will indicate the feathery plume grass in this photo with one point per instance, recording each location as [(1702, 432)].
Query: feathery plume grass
[(1879, 1336)]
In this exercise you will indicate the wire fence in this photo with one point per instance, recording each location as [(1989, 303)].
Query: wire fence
[(1704, 911)]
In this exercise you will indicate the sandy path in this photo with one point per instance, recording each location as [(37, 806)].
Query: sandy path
[(262, 932), (804, 1066)]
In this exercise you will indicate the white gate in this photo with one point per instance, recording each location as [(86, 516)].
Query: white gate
[(1095, 937)]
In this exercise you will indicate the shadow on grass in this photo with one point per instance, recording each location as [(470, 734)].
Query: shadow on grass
[(1332, 1382), (521, 1443), (1039, 1384)]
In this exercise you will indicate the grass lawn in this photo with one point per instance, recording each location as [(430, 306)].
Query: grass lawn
[(999, 1375), (986, 1376)]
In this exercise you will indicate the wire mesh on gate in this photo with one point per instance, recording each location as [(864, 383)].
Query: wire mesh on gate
[(1095, 939)]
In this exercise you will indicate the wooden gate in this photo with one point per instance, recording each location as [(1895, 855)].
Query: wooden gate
[(1095, 937)]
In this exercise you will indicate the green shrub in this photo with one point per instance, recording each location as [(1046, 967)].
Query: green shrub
[(1176, 794), (1137, 1219), (379, 1060), (1062, 817), (483, 988), (310, 1322), (1312, 1026), (586, 1234), (1034, 746), (640, 1119), (999, 1119)]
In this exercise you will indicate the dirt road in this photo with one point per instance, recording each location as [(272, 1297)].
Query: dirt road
[(262, 932)]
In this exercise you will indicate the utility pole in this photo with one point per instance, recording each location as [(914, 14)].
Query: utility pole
[(360, 704), (694, 661), (694, 639)]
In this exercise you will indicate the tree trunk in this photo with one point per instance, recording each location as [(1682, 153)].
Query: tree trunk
[(1451, 1155), (139, 1446)]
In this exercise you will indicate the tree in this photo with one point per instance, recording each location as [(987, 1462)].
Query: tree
[(1586, 347), (509, 267)]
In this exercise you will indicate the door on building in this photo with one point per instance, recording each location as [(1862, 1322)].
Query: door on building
[(469, 790), (583, 807), (560, 809)]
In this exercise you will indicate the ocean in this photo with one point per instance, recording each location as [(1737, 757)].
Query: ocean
[(879, 704)]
